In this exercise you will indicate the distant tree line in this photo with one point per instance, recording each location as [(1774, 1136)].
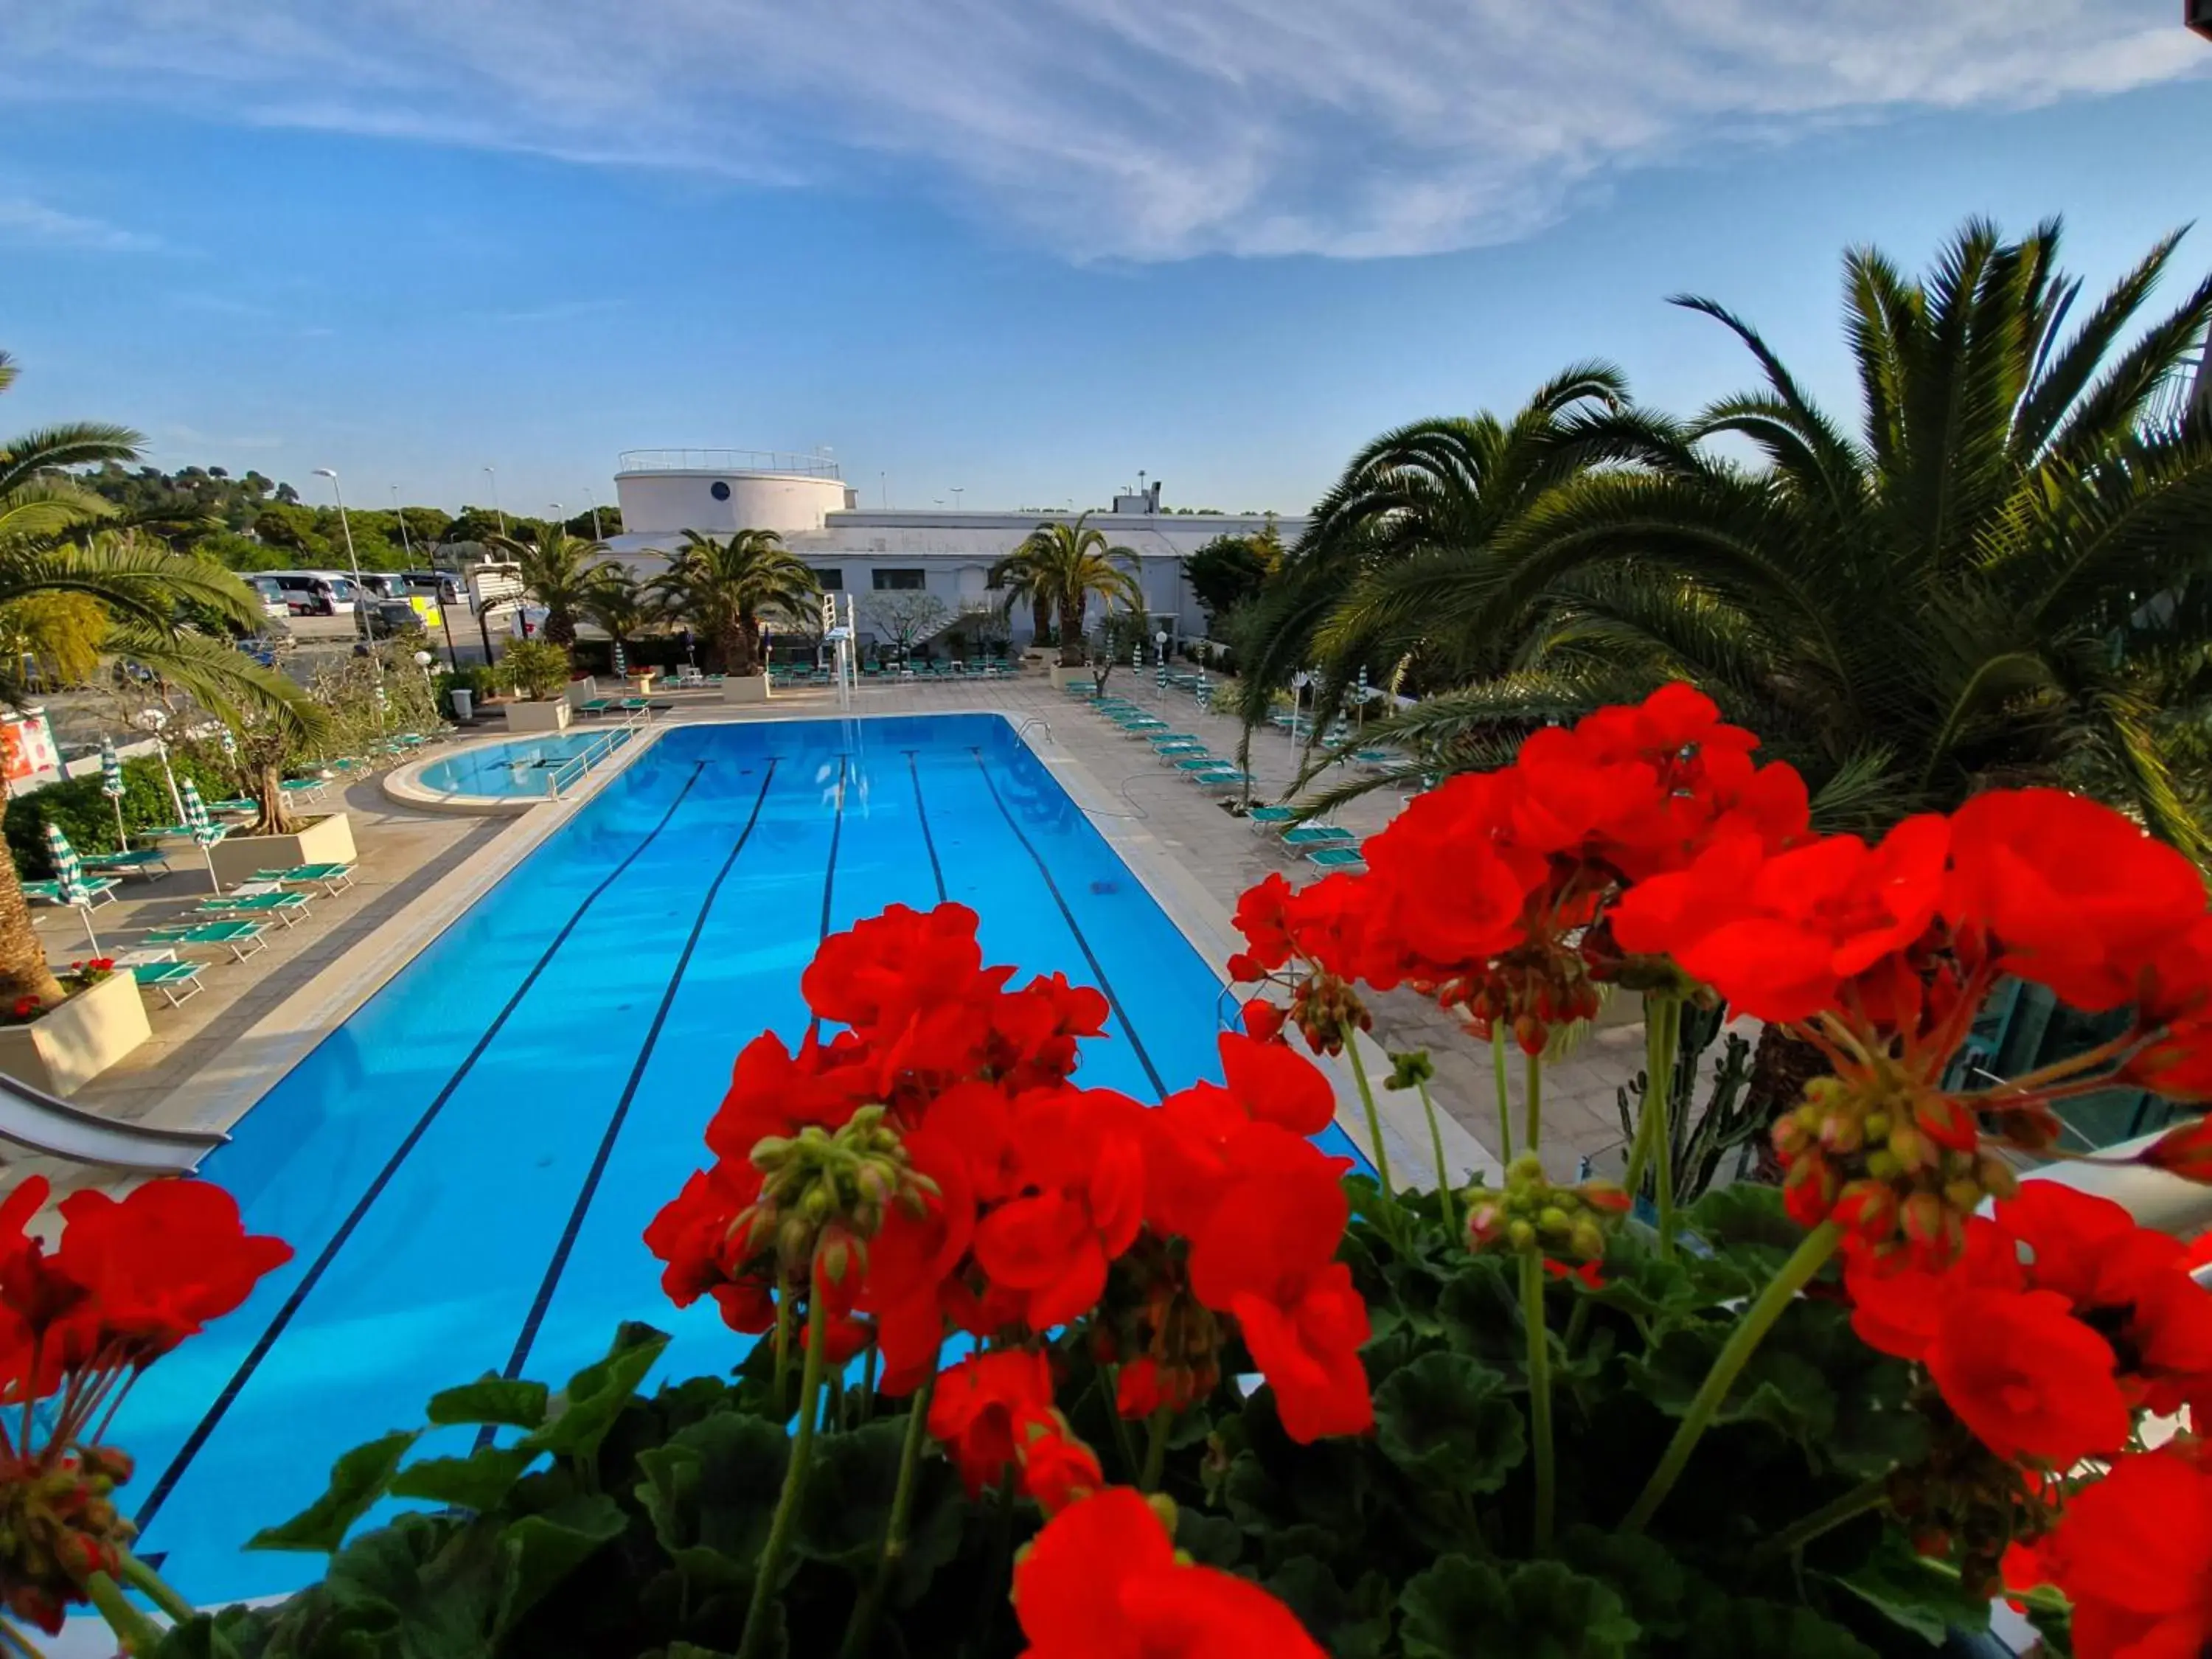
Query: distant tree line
[(258, 523)]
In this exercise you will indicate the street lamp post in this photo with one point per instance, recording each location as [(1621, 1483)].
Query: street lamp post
[(494, 476), (956, 493), (360, 593), (598, 535), (405, 545), (556, 524)]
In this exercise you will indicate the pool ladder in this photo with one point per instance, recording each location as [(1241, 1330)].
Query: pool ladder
[(1036, 720), (578, 765)]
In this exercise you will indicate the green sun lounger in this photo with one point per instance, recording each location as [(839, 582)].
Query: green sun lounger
[(144, 862), (1221, 778), (232, 936), (1177, 737), (331, 878), (1201, 763), (1338, 858), (597, 705), (102, 889), (287, 907), (1315, 835), (177, 981), (1269, 817)]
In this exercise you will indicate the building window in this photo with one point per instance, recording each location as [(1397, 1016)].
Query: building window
[(831, 578), (718, 489), (900, 581)]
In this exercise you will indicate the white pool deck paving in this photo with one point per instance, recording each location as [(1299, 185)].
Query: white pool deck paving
[(211, 1060)]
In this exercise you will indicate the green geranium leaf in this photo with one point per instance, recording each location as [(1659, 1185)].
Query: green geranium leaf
[(478, 1482), (539, 1551), (1415, 1290), (1479, 1313), (1545, 1610), (1448, 1419), (425, 1585), (357, 1481), (1907, 1591), (1731, 1627), (199, 1639), (845, 1506), (492, 1399), (1349, 1627), (580, 1415), (710, 1493), (1211, 1541), (1779, 1387), (1643, 1573)]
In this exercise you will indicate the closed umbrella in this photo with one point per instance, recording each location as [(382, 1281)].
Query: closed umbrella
[(1205, 692), (111, 785), (205, 832), (1160, 674), (68, 878), (622, 662), (1363, 696)]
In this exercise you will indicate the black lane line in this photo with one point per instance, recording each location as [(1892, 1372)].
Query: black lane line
[(1129, 1028), (562, 1251), (936, 870), (300, 1291)]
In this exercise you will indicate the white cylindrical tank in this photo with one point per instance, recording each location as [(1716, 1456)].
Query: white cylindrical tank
[(665, 491)]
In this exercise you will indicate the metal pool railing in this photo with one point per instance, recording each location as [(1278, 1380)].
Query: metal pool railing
[(578, 766)]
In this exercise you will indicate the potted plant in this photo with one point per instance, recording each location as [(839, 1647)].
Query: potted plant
[(1037, 1371), (537, 672), (59, 1046), (726, 587)]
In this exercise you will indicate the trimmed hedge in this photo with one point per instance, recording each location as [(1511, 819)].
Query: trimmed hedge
[(87, 816)]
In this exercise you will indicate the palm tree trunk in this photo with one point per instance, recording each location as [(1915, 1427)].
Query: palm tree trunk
[(23, 970), (1071, 633), (744, 647), (275, 815), (1040, 621), (561, 629)]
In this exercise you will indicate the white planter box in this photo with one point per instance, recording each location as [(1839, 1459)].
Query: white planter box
[(66, 1047), (319, 841), (538, 716), (745, 688), (1064, 677)]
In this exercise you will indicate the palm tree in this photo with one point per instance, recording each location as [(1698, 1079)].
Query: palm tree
[(1061, 565), (1020, 578), (1954, 593), (140, 588), (559, 570), (620, 604), (724, 587), (1428, 503)]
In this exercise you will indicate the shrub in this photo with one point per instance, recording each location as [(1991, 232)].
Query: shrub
[(88, 817), (534, 668)]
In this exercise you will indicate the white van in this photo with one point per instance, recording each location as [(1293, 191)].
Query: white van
[(315, 592)]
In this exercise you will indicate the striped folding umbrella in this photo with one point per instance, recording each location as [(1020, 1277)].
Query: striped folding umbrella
[(622, 662), (1205, 691), (69, 877), (111, 785), (1160, 674), (205, 831)]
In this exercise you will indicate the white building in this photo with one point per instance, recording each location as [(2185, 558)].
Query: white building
[(867, 551)]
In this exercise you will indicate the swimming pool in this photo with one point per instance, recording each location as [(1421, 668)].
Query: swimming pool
[(518, 768), (465, 1165)]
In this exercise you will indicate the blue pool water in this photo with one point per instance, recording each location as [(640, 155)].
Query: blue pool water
[(465, 1165), (518, 767)]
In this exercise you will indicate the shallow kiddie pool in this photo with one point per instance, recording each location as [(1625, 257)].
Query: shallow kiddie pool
[(522, 766)]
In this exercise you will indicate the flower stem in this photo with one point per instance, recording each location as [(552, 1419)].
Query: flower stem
[(1351, 1035), (782, 1348), (133, 1629), (862, 1630), (1436, 1145), (1751, 1329), (1869, 1494), (1497, 1077), (1539, 1392), (14, 1641), (1156, 1449), (156, 1589), (770, 1566), (1532, 1079), (1654, 1036), (1667, 1016)]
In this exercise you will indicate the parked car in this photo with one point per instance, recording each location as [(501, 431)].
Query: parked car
[(390, 619)]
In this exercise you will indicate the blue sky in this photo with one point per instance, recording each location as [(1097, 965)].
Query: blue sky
[(1024, 248)]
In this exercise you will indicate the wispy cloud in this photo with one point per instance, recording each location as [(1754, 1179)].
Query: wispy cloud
[(1139, 129), (23, 221)]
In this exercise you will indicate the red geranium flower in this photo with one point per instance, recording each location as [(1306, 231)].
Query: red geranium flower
[(2028, 1378), (1276, 1085), (980, 1405), (1102, 1581), (2133, 1553), (1082, 1167)]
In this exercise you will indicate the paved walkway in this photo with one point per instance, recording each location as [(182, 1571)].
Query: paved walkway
[(403, 853)]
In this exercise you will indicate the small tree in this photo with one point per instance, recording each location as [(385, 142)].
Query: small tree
[(1119, 633), (987, 625), (534, 669), (906, 617), (1230, 570)]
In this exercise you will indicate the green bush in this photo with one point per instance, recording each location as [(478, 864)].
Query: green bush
[(535, 668), (88, 817)]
